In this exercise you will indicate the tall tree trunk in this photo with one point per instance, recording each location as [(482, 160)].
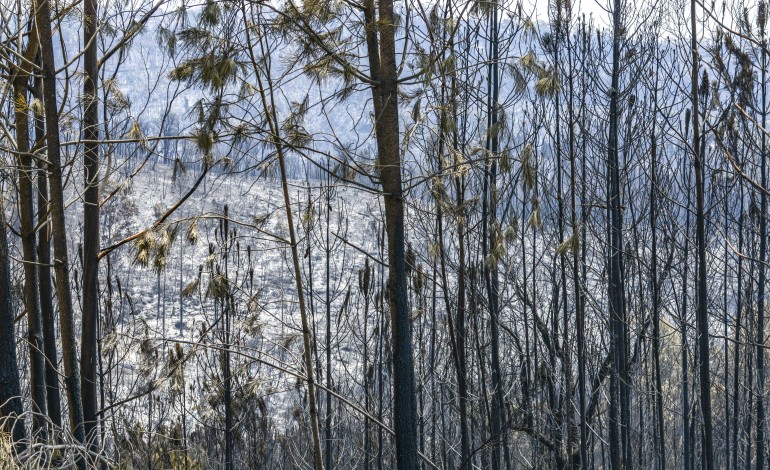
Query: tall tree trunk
[(448, 120), (10, 389), (382, 64), (61, 261), (686, 444), (660, 443), (460, 328), (328, 306), (700, 229), (88, 359), (565, 416), (268, 103), (228, 308), (619, 451), (737, 337), (760, 337), (580, 319), (364, 285), (28, 239), (53, 397), (491, 239)]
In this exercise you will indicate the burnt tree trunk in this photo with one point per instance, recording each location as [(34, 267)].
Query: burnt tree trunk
[(88, 358), (10, 390), (57, 205)]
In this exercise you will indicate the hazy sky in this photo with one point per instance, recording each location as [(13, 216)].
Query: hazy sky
[(579, 6)]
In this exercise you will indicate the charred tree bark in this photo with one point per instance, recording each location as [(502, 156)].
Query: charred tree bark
[(700, 235), (53, 398), (760, 337), (57, 205), (660, 428), (490, 240), (28, 239), (619, 451), (381, 50), (88, 359), (10, 389)]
